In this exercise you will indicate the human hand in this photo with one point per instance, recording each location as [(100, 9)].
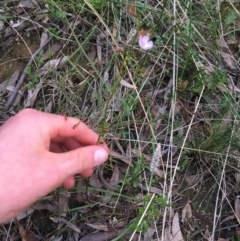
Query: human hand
[(39, 152)]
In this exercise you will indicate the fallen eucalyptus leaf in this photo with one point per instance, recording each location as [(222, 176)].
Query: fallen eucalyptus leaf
[(237, 208), (101, 227), (186, 213), (44, 38), (103, 236), (95, 182), (54, 48), (176, 231), (112, 184), (63, 203), (52, 64), (121, 157), (25, 4), (126, 84), (25, 234), (69, 224), (149, 233), (9, 82), (226, 54)]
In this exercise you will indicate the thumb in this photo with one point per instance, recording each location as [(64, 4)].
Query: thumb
[(79, 160)]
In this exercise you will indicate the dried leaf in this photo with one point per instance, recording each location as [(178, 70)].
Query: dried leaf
[(45, 206), (237, 208), (101, 227), (226, 54), (115, 176), (59, 239), (93, 52), (26, 4), (1, 25), (13, 78), (31, 236), (25, 234), (143, 32), (69, 225), (126, 84), (207, 234), (156, 92), (32, 95), (55, 47), (157, 156), (63, 203), (186, 213), (151, 189), (81, 189), (149, 233), (193, 179), (168, 91), (103, 236), (52, 64), (48, 108), (107, 185), (44, 38), (167, 235), (162, 110), (117, 139), (132, 9), (99, 48), (138, 153), (176, 231), (95, 182), (159, 172), (207, 69), (21, 230), (115, 33), (231, 85), (12, 88), (10, 82), (121, 157), (237, 176), (213, 102), (237, 231), (115, 103), (228, 218)]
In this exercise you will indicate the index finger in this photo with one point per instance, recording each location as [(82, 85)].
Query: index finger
[(58, 126), (71, 128)]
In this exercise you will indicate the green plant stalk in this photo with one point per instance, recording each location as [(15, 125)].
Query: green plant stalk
[(114, 90)]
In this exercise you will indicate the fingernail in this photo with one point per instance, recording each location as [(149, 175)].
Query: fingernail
[(100, 156)]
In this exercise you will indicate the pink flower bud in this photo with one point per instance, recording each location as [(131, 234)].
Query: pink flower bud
[(119, 49)]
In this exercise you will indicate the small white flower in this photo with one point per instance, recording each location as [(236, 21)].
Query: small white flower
[(17, 24), (145, 42)]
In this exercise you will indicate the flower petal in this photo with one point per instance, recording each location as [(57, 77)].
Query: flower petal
[(145, 43), (148, 45), (141, 42), (145, 38)]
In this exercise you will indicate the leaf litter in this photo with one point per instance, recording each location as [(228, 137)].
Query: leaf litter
[(186, 213)]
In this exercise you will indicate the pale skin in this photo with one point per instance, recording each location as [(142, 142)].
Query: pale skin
[(39, 152)]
